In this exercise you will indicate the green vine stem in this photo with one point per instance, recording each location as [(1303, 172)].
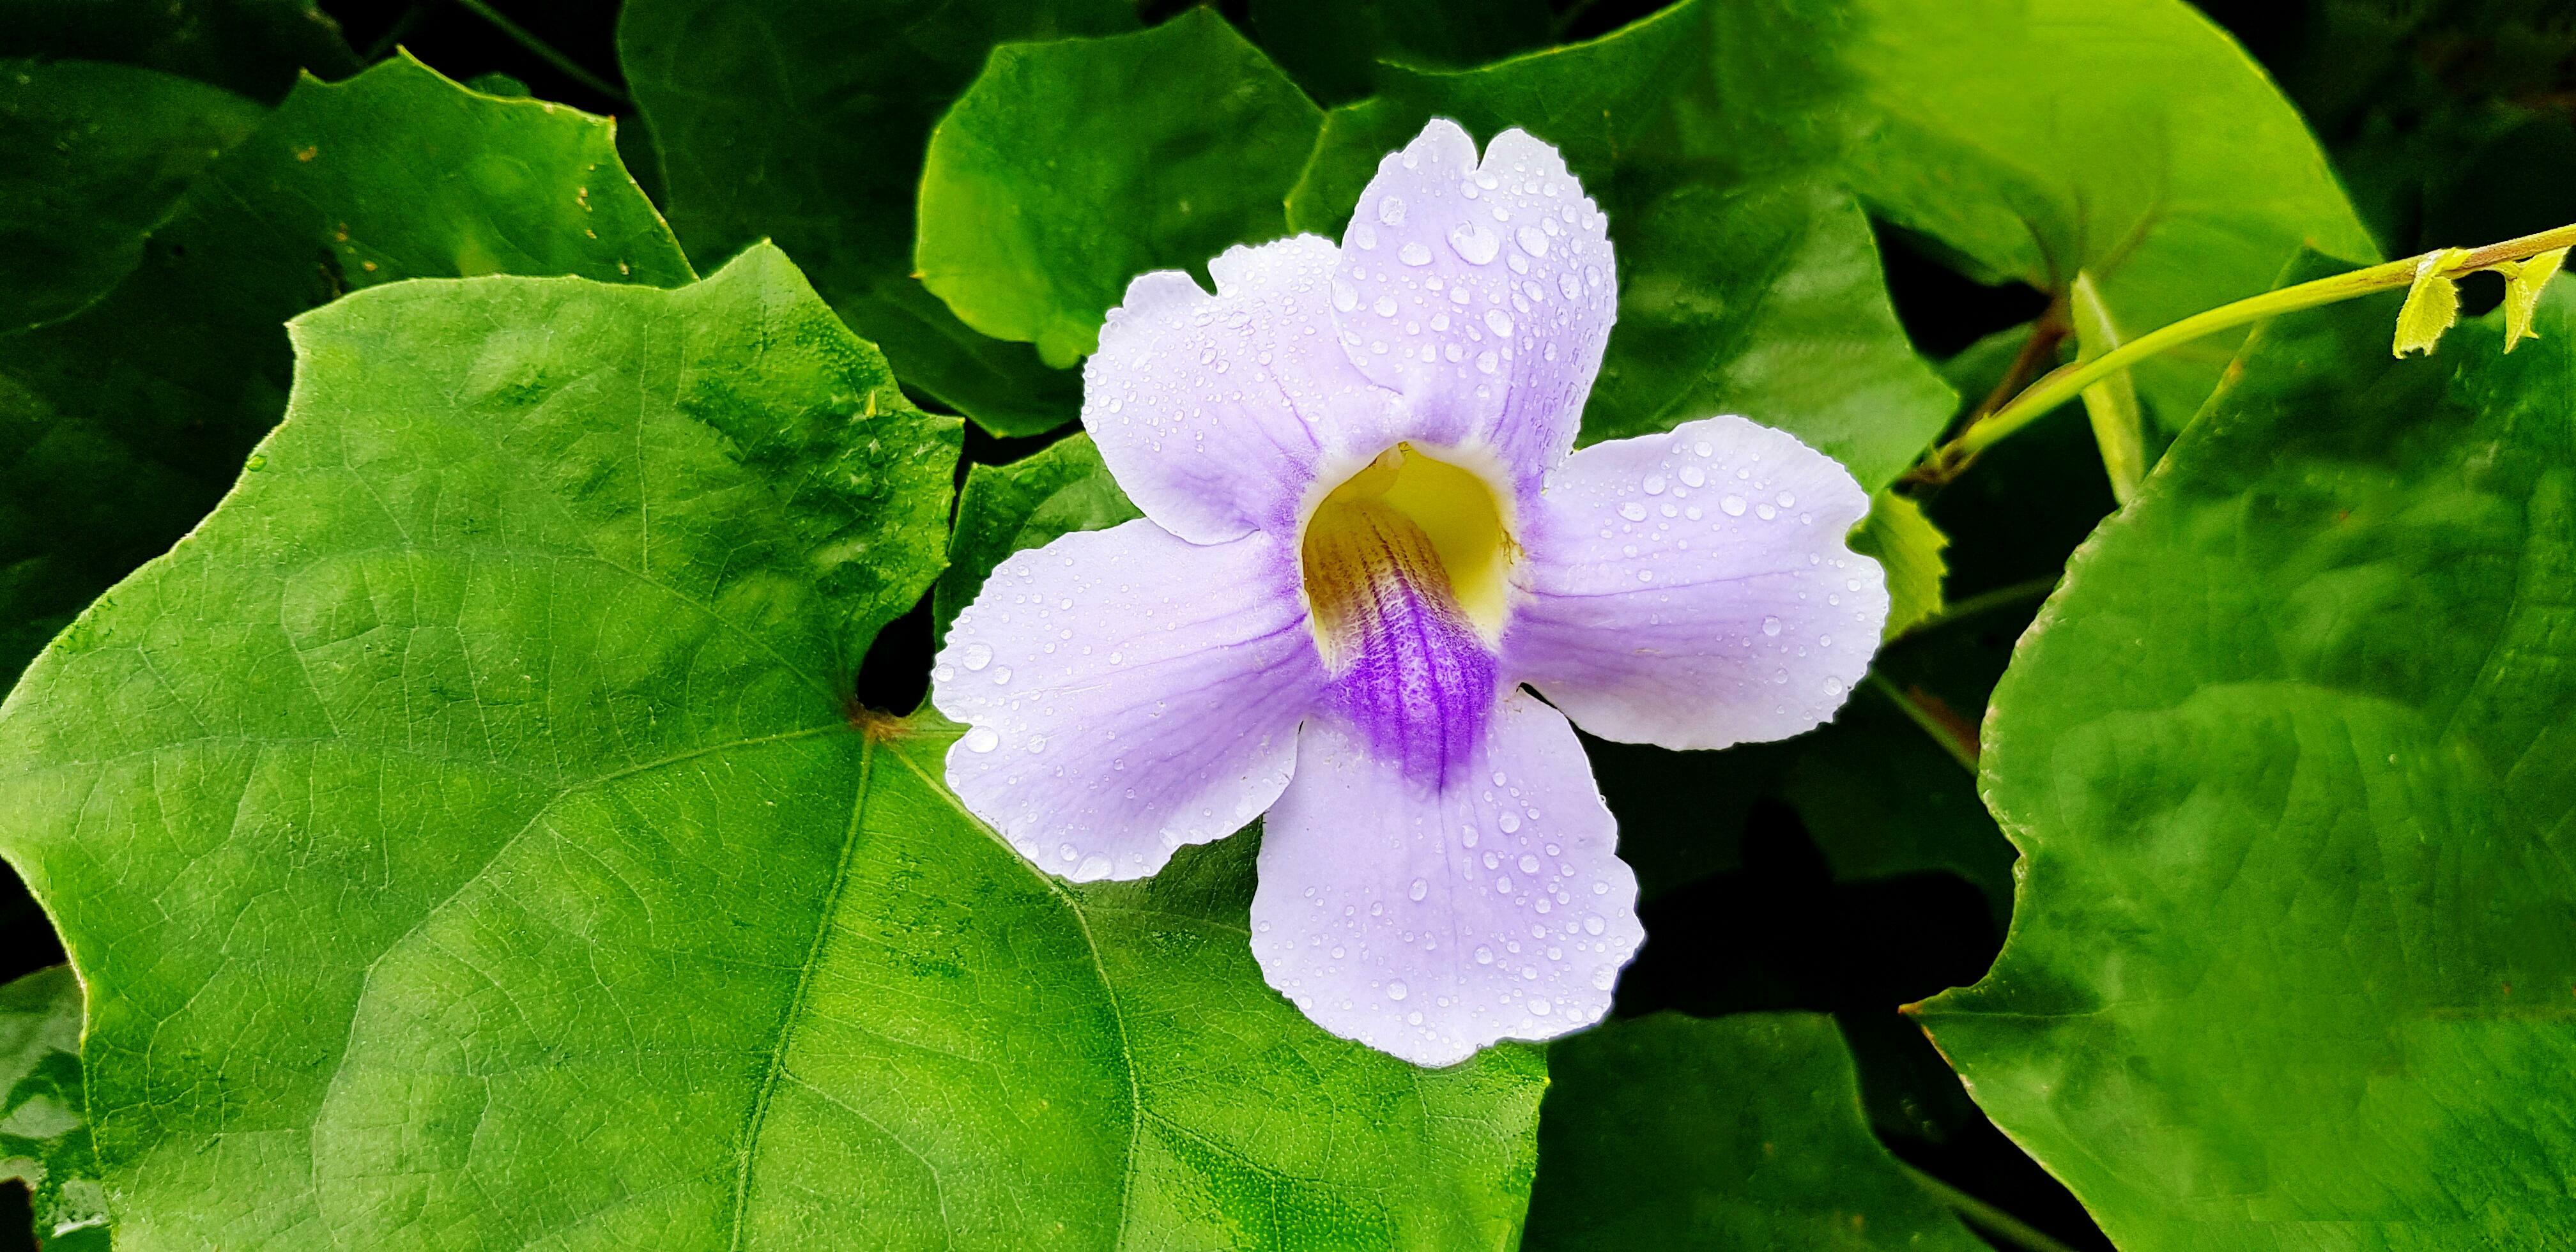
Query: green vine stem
[(2069, 381)]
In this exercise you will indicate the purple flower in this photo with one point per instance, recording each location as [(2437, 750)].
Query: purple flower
[(1366, 531)]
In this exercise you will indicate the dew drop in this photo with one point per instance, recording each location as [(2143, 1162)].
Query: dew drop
[(1414, 254), (1420, 888), (1509, 822), (1391, 210), (1364, 235), (975, 656), (1484, 955), (1633, 511), (1474, 243), (1532, 242), (1498, 321), (983, 739), (1734, 506), (1345, 296), (1488, 362), (1529, 863), (1385, 306), (1395, 990)]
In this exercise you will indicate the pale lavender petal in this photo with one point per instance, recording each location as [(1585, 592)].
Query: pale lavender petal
[(1126, 693), (1482, 292), (1430, 922), (1694, 589), (1207, 408)]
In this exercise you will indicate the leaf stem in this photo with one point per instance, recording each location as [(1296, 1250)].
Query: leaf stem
[(2003, 1225), (2069, 381), (545, 52), (1955, 736), (1985, 602)]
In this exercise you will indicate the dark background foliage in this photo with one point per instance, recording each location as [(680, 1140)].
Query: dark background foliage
[(2449, 122)]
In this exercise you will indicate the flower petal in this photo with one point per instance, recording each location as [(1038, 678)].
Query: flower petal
[(1431, 923), (1483, 293), (1694, 589), (1207, 408), (1127, 693)]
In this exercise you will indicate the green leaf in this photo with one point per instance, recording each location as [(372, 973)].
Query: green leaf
[(1742, 288), (1743, 1131), (91, 155), (805, 121), (2522, 288), (2119, 427), (252, 48), (1028, 503), (44, 1124), (121, 426), (2297, 929), (1908, 546), (2432, 303), (1332, 47), (2139, 144), (470, 841), (1071, 167)]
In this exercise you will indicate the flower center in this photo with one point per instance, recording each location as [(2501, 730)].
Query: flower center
[(1406, 569), (1415, 519)]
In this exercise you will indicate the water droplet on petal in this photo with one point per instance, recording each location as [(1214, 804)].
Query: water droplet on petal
[(1414, 254), (1395, 990), (1771, 626), (1364, 235), (1498, 321), (975, 656), (1734, 506), (1420, 888), (1345, 296), (1391, 210), (1474, 243), (1532, 242), (983, 739)]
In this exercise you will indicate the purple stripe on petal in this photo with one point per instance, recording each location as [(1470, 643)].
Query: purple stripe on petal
[(1409, 670)]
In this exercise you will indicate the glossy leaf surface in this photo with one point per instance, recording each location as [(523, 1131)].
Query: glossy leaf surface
[(2289, 760), (487, 849)]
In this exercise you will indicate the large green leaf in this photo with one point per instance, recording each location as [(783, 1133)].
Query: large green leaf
[(470, 841), (1747, 283), (2291, 759), (253, 48), (1071, 167), (44, 1128), (1738, 1132), (1028, 503), (2130, 139), (805, 121), (120, 427), (91, 155)]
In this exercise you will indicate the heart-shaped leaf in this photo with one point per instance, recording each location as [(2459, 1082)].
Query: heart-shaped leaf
[(469, 839)]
